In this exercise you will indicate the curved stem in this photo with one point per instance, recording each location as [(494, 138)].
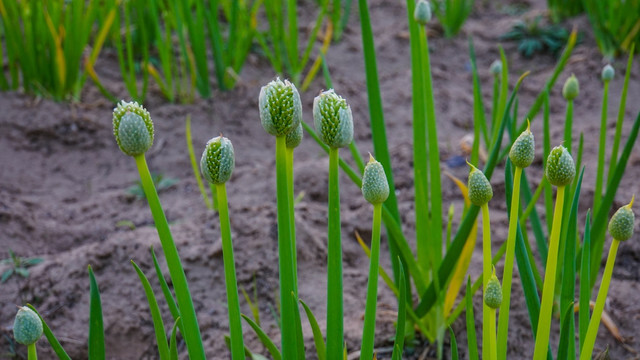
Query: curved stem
[(187, 312), (594, 323), (368, 332), (289, 338), (546, 308), (486, 275), (32, 354), (503, 325), (335, 326), (233, 304)]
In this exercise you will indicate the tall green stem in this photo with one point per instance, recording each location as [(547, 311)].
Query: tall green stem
[(335, 326), (503, 325), (368, 333), (233, 304), (493, 349), (292, 219), (31, 349), (601, 149), (594, 323), (568, 126), (187, 312), (289, 338), (613, 161), (486, 275), (546, 308)]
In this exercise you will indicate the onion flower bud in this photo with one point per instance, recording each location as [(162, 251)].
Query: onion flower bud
[(375, 187), (480, 190), (280, 107), (218, 160), (27, 326), (133, 128), (560, 169), (332, 119)]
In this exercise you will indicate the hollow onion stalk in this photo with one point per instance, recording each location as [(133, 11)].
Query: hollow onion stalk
[(621, 229), (560, 172)]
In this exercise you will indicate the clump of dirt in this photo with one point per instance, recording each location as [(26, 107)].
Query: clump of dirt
[(63, 191)]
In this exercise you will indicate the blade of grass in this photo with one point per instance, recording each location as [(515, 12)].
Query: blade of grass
[(567, 337), (398, 344), (156, 316), (454, 345), (173, 344), (317, 333), (194, 164), (585, 284), (96, 326), (264, 338), (472, 342)]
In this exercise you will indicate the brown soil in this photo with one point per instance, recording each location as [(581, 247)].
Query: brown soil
[(64, 206)]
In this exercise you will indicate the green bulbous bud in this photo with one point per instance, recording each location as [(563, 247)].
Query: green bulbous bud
[(496, 67), (523, 149), (608, 73), (560, 169), (280, 107), (133, 128), (571, 88), (480, 191), (332, 119), (294, 138), (422, 12), (493, 292), (27, 327), (622, 222), (375, 187), (218, 161)]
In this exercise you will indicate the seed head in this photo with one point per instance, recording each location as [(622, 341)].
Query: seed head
[(294, 138), (560, 167), (493, 292), (27, 327), (496, 67), (422, 13), (133, 128), (571, 88), (332, 119), (480, 191), (218, 160), (375, 187), (280, 107), (523, 149), (622, 222), (608, 72)]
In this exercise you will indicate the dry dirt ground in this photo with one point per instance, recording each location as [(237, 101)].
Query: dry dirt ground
[(63, 190)]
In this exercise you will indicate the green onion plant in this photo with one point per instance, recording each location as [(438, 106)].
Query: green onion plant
[(452, 14)]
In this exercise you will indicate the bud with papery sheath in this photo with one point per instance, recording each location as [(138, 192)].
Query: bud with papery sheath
[(560, 169), (294, 138), (422, 13), (218, 160), (622, 223), (133, 128), (375, 187), (332, 119), (608, 72), (27, 326), (523, 149), (280, 107), (496, 67), (480, 191), (493, 292), (571, 88)]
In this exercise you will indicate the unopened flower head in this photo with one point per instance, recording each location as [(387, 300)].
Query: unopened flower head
[(622, 223), (571, 88), (493, 292), (218, 160), (608, 73), (332, 119), (375, 187), (27, 326), (523, 149), (133, 128), (496, 67), (560, 169), (280, 107), (480, 191), (422, 12)]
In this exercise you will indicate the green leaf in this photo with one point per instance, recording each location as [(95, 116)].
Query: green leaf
[(585, 284), (472, 341), (398, 343), (96, 326), (173, 344), (264, 338), (454, 345), (53, 341), (22, 272), (6, 275), (317, 333), (156, 316)]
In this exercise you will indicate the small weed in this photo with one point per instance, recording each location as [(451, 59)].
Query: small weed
[(17, 265), (159, 180), (532, 37)]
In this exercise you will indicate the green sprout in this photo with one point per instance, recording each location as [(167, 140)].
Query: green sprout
[(17, 265)]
